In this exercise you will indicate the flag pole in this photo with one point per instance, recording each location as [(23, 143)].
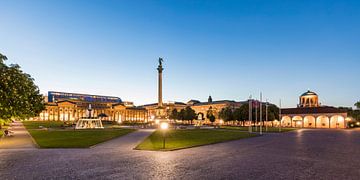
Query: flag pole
[(266, 120), (250, 114), (280, 115), (261, 121), (256, 115)]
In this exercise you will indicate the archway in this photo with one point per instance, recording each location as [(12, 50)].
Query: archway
[(297, 121), (322, 122), (309, 122), (286, 121), (337, 121)]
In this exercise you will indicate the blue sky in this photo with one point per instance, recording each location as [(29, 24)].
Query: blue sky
[(227, 49)]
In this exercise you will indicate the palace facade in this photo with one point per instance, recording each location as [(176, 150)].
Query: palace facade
[(201, 108), (62, 106), (310, 114)]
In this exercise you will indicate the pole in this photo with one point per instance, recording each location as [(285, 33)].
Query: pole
[(163, 139), (280, 115), (267, 105), (250, 114), (261, 113), (256, 115)]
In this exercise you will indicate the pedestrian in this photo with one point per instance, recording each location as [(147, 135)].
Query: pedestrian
[(6, 132)]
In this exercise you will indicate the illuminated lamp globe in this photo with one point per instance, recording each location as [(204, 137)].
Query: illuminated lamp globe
[(164, 125)]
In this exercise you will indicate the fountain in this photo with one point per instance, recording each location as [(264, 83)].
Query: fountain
[(89, 123)]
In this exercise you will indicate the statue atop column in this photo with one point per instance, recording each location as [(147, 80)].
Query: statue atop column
[(160, 68)]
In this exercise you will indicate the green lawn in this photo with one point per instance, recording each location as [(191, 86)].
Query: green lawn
[(59, 138), (178, 139), (75, 139), (45, 124), (270, 129)]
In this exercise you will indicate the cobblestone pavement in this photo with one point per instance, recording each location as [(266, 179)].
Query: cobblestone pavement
[(19, 139), (303, 154)]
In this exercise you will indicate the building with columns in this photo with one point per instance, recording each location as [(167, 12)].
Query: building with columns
[(61, 106), (201, 108), (310, 114)]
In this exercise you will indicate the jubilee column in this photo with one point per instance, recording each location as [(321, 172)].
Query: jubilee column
[(160, 69), (160, 110)]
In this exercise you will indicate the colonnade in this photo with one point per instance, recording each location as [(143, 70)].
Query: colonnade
[(311, 121)]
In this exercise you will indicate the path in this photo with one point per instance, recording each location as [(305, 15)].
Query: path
[(127, 142), (20, 138)]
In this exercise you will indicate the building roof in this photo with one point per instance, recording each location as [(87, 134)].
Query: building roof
[(309, 93), (194, 101), (216, 102), (155, 104), (312, 110)]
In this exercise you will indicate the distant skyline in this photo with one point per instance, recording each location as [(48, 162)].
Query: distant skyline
[(226, 49)]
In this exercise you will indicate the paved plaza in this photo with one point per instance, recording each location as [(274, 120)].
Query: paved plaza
[(302, 154)]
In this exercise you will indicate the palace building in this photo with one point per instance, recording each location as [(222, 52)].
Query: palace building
[(169, 107), (310, 114), (201, 108), (62, 106)]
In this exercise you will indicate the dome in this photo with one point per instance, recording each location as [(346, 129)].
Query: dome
[(309, 99), (309, 93)]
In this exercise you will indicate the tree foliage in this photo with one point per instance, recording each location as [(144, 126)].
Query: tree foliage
[(226, 114), (210, 115), (357, 105), (19, 96), (354, 113), (189, 114), (174, 114), (184, 114), (242, 113)]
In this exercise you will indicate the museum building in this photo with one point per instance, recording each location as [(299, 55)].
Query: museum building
[(310, 114)]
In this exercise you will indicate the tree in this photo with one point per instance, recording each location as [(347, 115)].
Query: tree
[(181, 114), (226, 114), (19, 96), (174, 114), (357, 105), (241, 113), (189, 114), (2, 59), (210, 115)]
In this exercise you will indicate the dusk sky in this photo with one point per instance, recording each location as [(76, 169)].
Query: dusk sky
[(226, 49)]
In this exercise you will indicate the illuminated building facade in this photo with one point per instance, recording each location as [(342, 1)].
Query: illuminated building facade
[(63, 106), (201, 108), (310, 114), (168, 107)]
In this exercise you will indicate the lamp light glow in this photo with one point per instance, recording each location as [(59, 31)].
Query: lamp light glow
[(164, 125)]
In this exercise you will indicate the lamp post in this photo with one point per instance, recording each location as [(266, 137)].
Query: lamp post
[(164, 126)]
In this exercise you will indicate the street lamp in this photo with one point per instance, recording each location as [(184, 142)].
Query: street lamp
[(164, 126)]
